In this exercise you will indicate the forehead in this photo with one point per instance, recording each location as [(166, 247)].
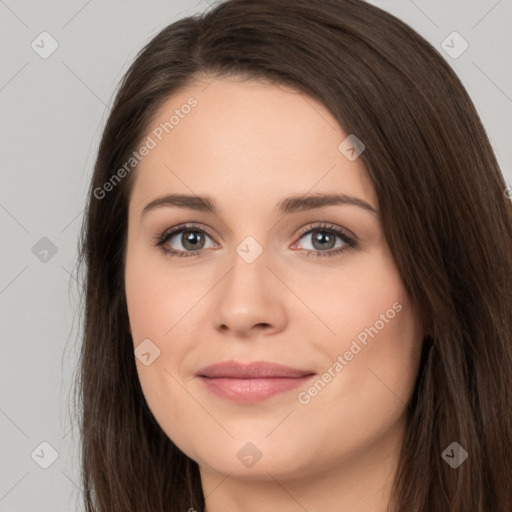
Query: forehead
[(245, 141)]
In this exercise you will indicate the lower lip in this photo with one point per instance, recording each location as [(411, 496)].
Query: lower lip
[(252, 390)]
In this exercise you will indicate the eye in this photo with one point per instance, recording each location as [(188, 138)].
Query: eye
[(323, 240), (190, 237)]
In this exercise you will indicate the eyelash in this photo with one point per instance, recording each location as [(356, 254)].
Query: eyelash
[(160, 240)]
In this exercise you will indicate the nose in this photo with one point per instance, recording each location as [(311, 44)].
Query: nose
[(250, 300)]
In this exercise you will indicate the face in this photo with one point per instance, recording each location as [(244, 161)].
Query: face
[(308, 285)]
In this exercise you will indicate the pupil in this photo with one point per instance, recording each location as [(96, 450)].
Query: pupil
[(189, 237), (322, 237)]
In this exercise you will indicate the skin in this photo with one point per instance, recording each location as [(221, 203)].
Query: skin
[(248, 145)]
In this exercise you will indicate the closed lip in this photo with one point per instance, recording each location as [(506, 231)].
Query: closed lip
[(252, 370)]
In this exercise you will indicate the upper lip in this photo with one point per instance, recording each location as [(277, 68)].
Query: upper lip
[(253, 370)]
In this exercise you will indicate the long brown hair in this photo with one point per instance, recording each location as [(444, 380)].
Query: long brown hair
[(445, 215)]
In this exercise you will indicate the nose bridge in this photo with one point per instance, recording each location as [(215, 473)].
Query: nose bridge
[(248, 297), (249, 267)]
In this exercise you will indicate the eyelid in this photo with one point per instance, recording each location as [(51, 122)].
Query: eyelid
[(350, 240), (168, 233), (326, 225)]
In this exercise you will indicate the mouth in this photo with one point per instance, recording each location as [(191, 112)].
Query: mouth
[(252, 382)]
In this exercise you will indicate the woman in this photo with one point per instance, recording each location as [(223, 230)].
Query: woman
[(226, 363)]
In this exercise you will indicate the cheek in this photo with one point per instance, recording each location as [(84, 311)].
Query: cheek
[(361, 302), (368, 396), (375, 362), (374, 355), (156, 299), (171, 405), (155, 305)]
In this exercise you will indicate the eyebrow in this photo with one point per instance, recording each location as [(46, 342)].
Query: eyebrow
[(287, 206)]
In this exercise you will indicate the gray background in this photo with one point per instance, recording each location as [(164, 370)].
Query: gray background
[(52, 113)]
